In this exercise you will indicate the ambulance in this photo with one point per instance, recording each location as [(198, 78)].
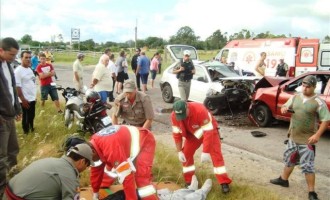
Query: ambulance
[(301, 55)]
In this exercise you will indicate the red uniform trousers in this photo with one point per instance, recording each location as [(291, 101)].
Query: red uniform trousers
[(189, 148)]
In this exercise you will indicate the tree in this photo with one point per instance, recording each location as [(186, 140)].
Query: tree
[(26, 39), (185, 35), (216, 41)]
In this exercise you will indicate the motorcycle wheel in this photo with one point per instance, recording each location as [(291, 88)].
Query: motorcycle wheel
[(212, 106), (68, 118)]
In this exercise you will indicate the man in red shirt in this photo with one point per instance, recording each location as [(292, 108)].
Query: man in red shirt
[(192, 121), (126, 153), (46, 71)]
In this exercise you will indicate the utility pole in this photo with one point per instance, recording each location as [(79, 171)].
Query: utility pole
[(136, 34)]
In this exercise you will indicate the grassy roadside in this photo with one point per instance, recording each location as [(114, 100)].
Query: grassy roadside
[(50, 132)]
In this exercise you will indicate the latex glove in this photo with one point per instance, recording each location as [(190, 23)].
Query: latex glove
[(205, 157), (95, 196), (182, 158)]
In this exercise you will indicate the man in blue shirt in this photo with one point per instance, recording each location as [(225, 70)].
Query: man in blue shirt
[(34, 63), (143, 69)]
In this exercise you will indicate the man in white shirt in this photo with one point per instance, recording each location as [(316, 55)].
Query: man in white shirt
[(26, 90), (78, 72)]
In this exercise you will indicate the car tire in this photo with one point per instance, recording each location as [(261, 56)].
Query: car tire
[(167, 94), (262, 115), (211, 106)]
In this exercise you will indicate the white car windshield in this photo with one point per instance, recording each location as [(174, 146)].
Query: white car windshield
[(218, 70), (178, 52)]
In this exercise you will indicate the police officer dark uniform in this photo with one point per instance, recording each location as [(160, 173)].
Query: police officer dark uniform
[(185, 73)]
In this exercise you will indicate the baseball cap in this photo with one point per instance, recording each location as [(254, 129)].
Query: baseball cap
[(129, 86), (180, 110), (310, 80), (186, 53), (84, 150)]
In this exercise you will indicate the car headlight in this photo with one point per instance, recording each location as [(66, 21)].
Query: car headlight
[(211, 92)]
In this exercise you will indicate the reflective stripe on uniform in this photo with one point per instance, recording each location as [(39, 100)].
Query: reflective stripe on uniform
[(135, 141), (188, 169), (146, 191), (220, 170), (176, 129), (207, 127)]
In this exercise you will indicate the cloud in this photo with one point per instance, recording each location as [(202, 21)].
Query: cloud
[(104, 20)]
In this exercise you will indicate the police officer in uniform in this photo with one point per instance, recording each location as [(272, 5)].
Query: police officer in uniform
[(133, 106), (185, 73)]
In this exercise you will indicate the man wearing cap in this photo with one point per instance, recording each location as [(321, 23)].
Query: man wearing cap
[(126, 153), (134, 67), (52, 178), (134, 107), (185, 72), (192, 121), (78, 72), (282, 69), (304, 132)]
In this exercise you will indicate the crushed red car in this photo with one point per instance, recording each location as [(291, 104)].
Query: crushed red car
[(272, 92)]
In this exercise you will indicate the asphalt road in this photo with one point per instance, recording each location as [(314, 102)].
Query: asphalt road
[(238, 141)]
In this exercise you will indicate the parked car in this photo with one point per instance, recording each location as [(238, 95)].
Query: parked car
[(272, 92), (209, 79)]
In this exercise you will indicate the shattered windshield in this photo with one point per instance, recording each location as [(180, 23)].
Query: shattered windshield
[(218, 70)]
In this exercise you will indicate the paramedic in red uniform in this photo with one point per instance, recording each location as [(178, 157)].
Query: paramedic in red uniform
[(192, 121), (126, 153)]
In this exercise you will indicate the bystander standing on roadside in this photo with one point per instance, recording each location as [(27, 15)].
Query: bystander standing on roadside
[(78, 72), (107, 52), (102, 81), (143, 69), (10, 109), (121, 64), (282, 69), (134, 67), (46, 72), (304, 133), (154, 68), (133, 106), (185, 72), (113, 70), (34, 62), (27, 91), (49, 57), (261, 65), (160, 60)]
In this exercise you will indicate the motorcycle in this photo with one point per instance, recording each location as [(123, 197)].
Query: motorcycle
[(235, 93), (91, 116)]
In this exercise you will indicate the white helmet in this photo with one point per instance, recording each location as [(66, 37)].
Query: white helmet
[(186, 52)]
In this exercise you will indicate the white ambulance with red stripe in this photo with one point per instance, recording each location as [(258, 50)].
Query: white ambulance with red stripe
[(301, 55)]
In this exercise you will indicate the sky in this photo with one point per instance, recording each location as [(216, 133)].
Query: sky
[(114, 20)]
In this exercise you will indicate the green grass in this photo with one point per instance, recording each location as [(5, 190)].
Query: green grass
[(50, 133)]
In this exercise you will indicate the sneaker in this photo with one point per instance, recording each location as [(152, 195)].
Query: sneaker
[(60, 112), (225, 188), (280, 181), (312, 196)]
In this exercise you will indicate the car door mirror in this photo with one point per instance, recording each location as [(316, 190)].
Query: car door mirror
[(202, 79)]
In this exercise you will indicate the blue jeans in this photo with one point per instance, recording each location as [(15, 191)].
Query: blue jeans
[(104, 96)]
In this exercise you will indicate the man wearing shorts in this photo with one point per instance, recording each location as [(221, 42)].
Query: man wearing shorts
[(46, 72), (143, 69), (304, 133)]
